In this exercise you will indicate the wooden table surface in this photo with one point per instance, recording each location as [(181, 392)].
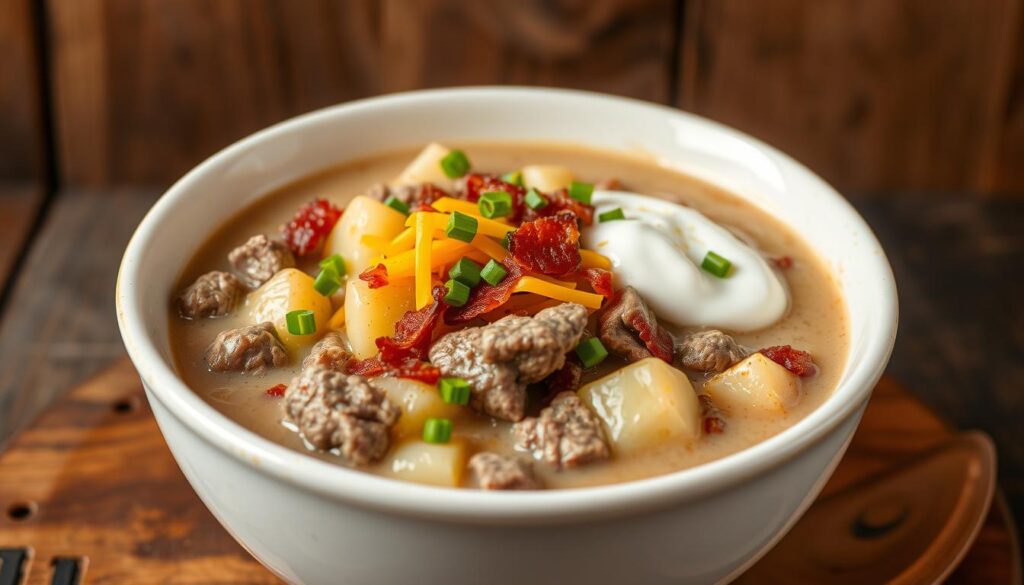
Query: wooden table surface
[(958, 260)]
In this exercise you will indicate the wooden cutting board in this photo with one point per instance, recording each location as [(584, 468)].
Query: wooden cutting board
[(91, 494)]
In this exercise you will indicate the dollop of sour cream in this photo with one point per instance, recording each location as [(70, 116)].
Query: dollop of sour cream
[(658, 250)]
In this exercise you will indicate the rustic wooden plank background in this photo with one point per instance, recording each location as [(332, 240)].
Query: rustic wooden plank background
[(19, 100)]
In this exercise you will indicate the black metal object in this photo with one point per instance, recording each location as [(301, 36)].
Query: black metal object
[(12, 562), (65, 571)]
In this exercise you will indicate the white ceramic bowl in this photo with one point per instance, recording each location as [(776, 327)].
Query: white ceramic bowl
[(313, 522)]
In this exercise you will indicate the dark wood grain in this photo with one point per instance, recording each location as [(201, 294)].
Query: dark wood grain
[(616, 46), (67, 497), (146, 89), (60, 324), (876, 95), (1006, 173), (18, 206), (20, 140)]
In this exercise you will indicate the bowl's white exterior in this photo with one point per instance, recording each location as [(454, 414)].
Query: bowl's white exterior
[(312, 522)]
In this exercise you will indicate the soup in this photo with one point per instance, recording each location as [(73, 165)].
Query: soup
[(509, 316)]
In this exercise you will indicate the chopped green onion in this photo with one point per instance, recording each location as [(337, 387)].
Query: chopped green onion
[(454, 390), (535, 200), (495, 204), (327, 282), (493, 272), (611, 215), (465, 271), (591, 352), (505, 242), (581, 191), (514, 177), (397, 204), (457, 294), (455, 164), (716, 265), (437, 430), (336, 262), (301, 322), (461, 227)]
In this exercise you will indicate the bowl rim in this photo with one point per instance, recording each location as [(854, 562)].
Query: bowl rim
[(476, 506)]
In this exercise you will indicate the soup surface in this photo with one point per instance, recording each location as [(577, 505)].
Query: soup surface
[(645, 440)]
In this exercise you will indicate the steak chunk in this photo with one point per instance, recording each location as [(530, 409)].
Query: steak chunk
[(213, 294), (253, 348), (261, 258), (708, 351), (630, 330), (329, 352), (336, 411), (565, 434), (502, 472), (500, 359)]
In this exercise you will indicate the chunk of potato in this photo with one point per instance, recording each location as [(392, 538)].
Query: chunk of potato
[(548, 178), (419, 401), (756, 386), (432, 464), (643, 405), (426, 167), (363, 216), (372, 312), (289, 290)]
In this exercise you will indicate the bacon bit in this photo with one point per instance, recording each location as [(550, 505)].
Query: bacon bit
[(484, 297), (657, 339), (376, 276), (426, 194), (411, 369), (276, 391), (476, 184), (548, 245), (600, 281), (713, 421), (566, 378), (310, 225), (796, 361), (560, 202), (783, 262)]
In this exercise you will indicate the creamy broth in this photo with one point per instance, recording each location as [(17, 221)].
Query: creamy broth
[(815, 321)]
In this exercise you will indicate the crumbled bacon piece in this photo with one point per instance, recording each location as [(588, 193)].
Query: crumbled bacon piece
[(310, 225), (560, 202), (712, 418), (657, 339), (485, 297), (476, 184), (796, 361), (276, 391), (376, 276), (548, 245), (426, 194), (783, 262), (600, 281), (410, 368)]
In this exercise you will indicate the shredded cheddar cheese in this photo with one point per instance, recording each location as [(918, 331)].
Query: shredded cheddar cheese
[(489, 247), (337, 321), (592, 259), (561, 293), (424, 235)]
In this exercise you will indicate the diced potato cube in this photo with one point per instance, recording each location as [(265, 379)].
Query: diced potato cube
[(372, 312), (756, 386), (426, 167), (432, 464), (646, 404), (547, 178), (290, 290), (363, 217), (419, 401)]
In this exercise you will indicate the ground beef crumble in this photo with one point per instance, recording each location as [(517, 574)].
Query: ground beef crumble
[(503, 472), (566, 434), (213, 294), (260, 258), (250, 349)]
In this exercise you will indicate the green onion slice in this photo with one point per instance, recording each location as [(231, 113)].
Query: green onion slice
[(534, 200), (514, 177), (437, 430), (716, 264), (336, 262), (327, 282), (591, 352), (457, 294), (300, 322), (455, 164), (454, 390), (461, 226), (465, 271), (581, 192), (493, 272), (611, 215), (397, 204), (495, 204)]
